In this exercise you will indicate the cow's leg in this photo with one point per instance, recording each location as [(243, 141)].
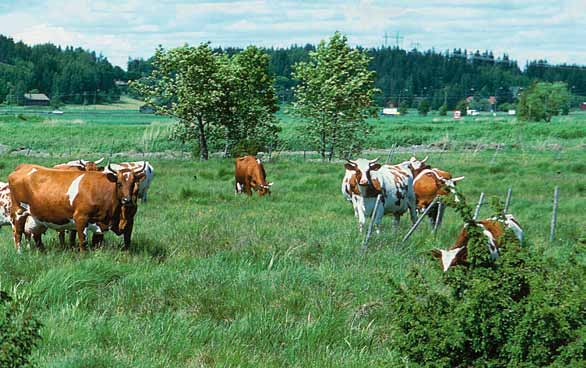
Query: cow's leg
[(128, 233), (81, 223), (144, 197), (37, 237), (361, 215), (97, 239), (412, 211), (62, 238), (237, 187), (18, 221), (380, 211), (72, 238)]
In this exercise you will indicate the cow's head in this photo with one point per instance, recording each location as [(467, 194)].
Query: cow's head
[(416, 166), (259, 179), (127, 182), (451, 257), (450, 184), (362, 169)]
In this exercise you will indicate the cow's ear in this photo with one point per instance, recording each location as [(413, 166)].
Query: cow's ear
[(140, 176), (375, 167), (349, 166), (111, 176)]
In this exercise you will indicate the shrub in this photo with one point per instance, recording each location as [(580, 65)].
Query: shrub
[(519, 310), (443, 110), (19, 333), (423, 107)]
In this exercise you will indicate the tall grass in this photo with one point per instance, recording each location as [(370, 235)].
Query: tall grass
[(215, 279)]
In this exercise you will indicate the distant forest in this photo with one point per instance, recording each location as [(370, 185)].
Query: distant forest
[(69, 75), (75, 75), (440, 77)]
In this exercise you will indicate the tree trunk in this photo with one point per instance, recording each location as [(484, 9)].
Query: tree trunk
[(322, 148), (203, 143), (332, 146)]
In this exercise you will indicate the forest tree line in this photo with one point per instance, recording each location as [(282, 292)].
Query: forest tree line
[(66, 75), (75, 75), (412, 75)]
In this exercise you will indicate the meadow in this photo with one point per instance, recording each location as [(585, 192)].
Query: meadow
[(215, 279)]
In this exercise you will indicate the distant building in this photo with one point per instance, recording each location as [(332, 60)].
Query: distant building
[(583, 106), (393, 111), (36, 99)]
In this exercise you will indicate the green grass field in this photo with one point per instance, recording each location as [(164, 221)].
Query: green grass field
[(213, 279)]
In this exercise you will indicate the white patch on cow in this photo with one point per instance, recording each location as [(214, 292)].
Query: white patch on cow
[(33, 170), (492, 248), (73, 190), (448, 257), (126, 175), (238, 188), (258, 160)]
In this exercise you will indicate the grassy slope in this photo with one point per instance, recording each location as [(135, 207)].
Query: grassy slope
[(213, 279)]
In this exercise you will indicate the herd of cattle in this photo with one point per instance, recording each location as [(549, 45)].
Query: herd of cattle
[(80, 195)]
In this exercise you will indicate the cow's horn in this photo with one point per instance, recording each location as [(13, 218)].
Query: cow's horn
[(351, 162), (458, 178), (109, 169), (425, 159), (269, 184), (99, 161), (373, 161), (142, 169)]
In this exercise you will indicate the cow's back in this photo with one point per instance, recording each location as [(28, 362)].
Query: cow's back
[(398, 185)]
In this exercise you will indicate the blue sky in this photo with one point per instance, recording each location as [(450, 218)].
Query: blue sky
[(526, 29)]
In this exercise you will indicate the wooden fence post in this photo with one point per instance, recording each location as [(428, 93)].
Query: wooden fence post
[(439, 216), (508, 200), (477, 210), (554, 215), (416, 224), (369, 231)]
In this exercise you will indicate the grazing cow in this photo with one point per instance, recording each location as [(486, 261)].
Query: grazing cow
[(66, 200), (429, 184), (493, 229), (393, 182), (145, 183), (251, 174), (81, 165)]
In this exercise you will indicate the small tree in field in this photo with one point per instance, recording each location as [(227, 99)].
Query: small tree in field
[(443, 110), (229, 100), (542, 101), (335, 95), (191, 79), (423, 107)]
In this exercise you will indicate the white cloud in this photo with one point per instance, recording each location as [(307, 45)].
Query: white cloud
[(118, 29)]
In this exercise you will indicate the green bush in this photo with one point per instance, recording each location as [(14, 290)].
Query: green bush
[(443, 110), (518, 311), (19, 333)]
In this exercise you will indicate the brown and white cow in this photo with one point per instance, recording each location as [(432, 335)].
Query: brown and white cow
[(429, 184), (81, 165), (67, 200), (493, 230), (250, 174), (366, 179)]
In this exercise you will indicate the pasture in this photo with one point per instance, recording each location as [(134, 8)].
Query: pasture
[(214, 279)]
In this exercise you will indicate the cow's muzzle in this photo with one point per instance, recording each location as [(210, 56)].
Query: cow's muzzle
[(126, 201)]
